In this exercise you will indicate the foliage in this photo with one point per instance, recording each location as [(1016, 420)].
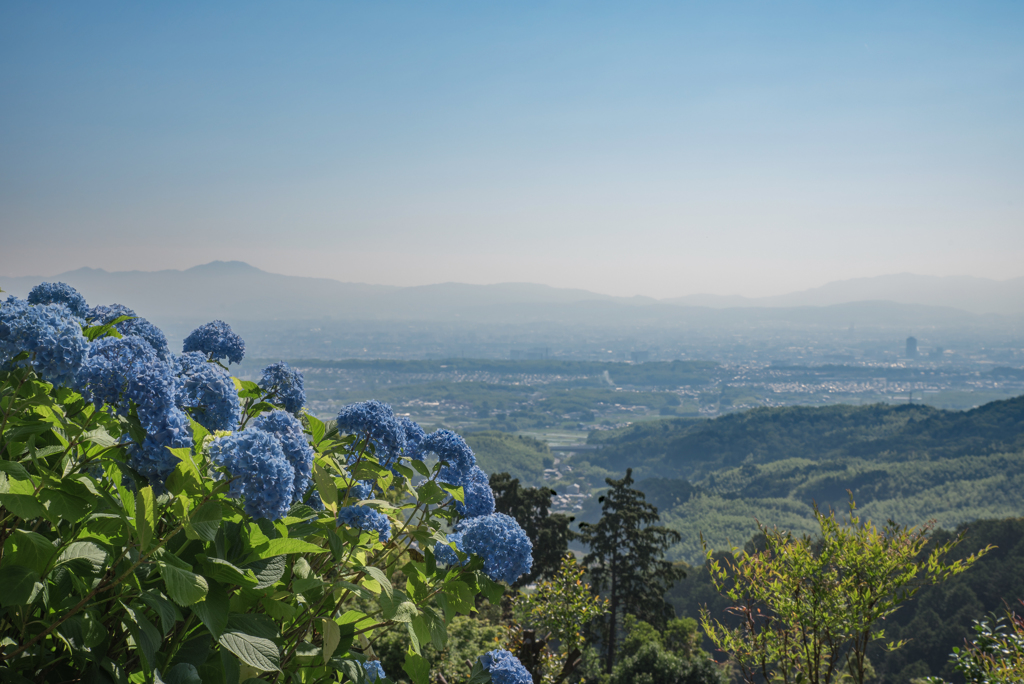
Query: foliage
[(626, 560), (807, 606), (522, 457), (113, 576), (549, 533), (994, 656), (650, 656), (550, 623)]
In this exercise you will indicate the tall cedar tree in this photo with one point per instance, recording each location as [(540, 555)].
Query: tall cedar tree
[(549, 533), (626, 560)]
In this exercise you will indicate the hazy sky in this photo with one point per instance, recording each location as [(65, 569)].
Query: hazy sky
[(627, 147)]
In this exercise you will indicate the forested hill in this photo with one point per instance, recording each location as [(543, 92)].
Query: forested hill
[(693, 449), (907, 463)]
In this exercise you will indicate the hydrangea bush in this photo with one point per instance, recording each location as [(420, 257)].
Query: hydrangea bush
[(162, 521)]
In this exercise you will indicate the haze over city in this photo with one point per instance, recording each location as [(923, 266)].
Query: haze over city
[(657, 149)]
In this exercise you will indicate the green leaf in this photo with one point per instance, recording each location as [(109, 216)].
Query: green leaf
[(479, 675), (15, 470), (381, 577), (279, 610), (420, 467), (29, 549), (21, 500), (100, 437), (21, 585), (84, 552), (417, 667), (316, 427), (206, 520), (332, 636), (145, 517), (214, 610), (457, 492), (182, 673), (147, 637), (491, 589), (63, 506), (223, 571), (168, 612), (404, 471), (421, 626), (462, 598), (184, 587), (252, 641), (268, 571), (430, 493), (285, 545)]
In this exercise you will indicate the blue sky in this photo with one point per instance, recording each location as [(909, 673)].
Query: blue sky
[(628, 148)]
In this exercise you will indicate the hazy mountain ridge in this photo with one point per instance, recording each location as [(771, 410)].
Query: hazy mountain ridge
[(242, 292), (977, 295)]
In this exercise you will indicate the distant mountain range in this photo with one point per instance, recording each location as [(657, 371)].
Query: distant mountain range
[(240, 292), (976, 295)]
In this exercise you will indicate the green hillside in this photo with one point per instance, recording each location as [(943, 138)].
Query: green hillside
[(908, 463), (499, 452)]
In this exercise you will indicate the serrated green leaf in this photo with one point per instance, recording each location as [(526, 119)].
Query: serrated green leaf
[(206, 520), (285, 545), (86, 552), (430, 493), (331, 636), (420, 467), (167, 611), (457, 492), (145, 517), (381, 577), (21, 585), (63, 506), (30, 550), (316, 428), (268, 571), (417, 667), (15, 470), (214, 610), (184, 587), (147, 637), (251, 639)]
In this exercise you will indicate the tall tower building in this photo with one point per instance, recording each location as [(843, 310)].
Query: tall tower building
[(911, 347)]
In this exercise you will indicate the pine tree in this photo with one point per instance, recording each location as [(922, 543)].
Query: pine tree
[(626, 560)]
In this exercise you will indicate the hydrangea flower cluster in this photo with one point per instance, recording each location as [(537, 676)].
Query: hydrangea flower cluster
[(374, 671), (49, 332), (453, 450), (478, 495), (217, 341), (360, 490), (374, 422), (297, 450), (284, 386), (505, 668), (366, 519), (60, 293), (154, 336), (105, 314), (207, 392), (414, 436), (260, 471), (123, 372), (498, 539)]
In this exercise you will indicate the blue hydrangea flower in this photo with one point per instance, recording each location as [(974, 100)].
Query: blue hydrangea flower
[(501, 542), (293, 442), (314, 501), (360, 490), (207, 392), (374, 671), (374, 422), (453, 450), (60, 293), (284, 385), (505, 668), (104, 314), (262, 474), (444, 554), (366, 519), (111, 367), (217, 341), (50, 333), (152, 459), (154, 336), (414, 436), (478, 494)]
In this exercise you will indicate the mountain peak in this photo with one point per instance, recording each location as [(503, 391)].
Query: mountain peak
[(223, 267)]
